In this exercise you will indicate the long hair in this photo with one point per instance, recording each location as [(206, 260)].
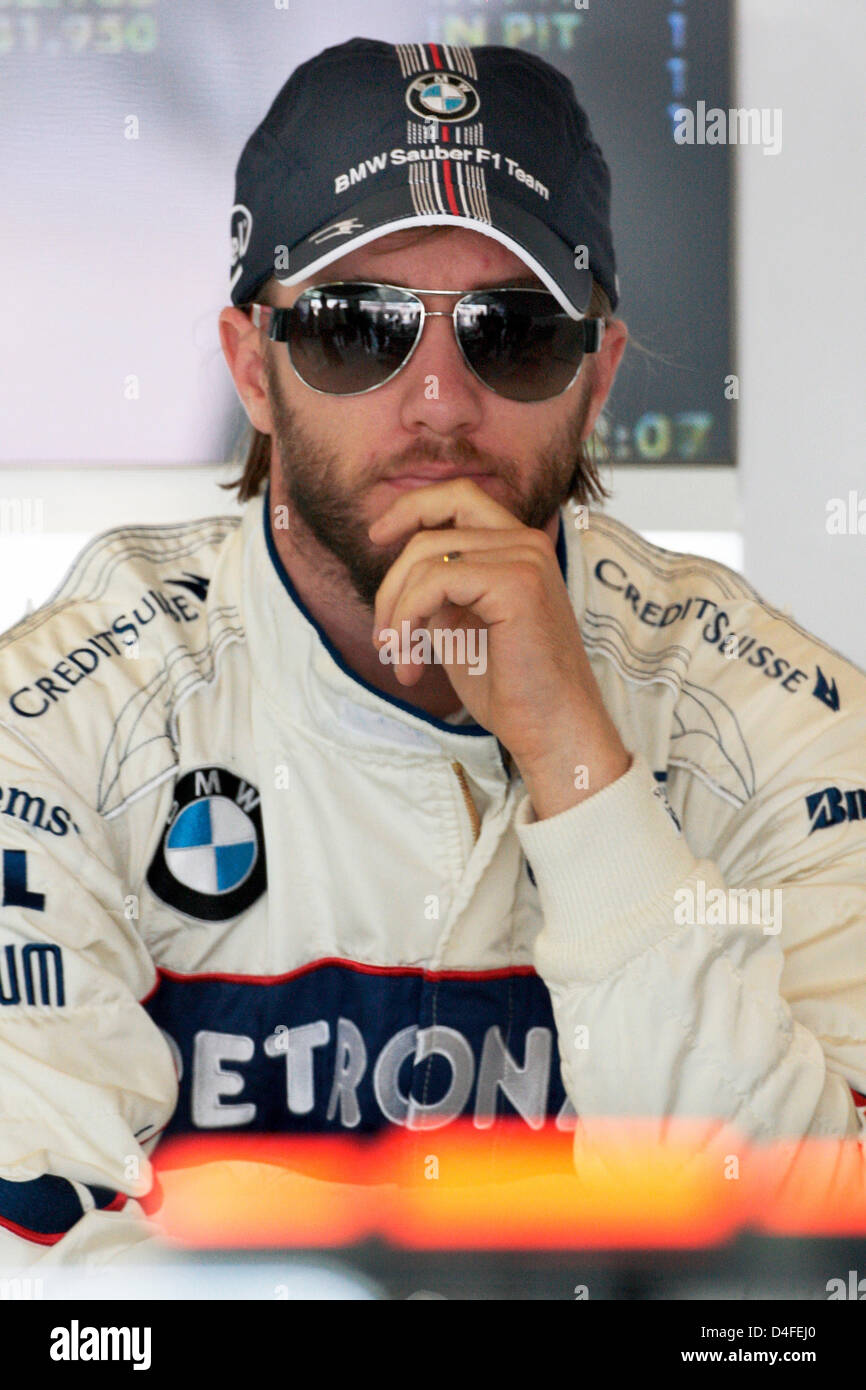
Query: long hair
[(253, 451)]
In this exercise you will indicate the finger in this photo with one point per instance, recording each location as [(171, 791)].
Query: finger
[(432, 545), (456, 500), (484, 582)]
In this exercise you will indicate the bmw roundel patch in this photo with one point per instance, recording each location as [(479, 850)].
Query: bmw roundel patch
[(442, 96), (210, 860)]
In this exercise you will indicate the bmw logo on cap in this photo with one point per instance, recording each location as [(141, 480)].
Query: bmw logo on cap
[(210, 860), (442, 96)]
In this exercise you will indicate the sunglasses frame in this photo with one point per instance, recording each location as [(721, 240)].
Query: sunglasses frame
[(275, 322)]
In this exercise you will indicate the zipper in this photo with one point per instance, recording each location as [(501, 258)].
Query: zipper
[(474, 817)]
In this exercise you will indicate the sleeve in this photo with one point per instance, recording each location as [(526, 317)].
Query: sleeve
[(87, 1080), (677, 993)]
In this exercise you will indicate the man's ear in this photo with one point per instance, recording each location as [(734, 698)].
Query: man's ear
[(604, 369), (242, 345)]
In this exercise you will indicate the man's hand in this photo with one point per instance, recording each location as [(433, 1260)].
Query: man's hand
[(538, 694)]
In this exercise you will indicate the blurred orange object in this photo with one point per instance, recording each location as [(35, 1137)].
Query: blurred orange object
[(457, 1189)]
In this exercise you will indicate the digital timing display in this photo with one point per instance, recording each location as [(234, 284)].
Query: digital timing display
[(78, 26), (122, 124), (633, 64)]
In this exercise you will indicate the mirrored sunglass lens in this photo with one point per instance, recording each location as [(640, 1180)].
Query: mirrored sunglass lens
[(520, 343), (347, 339)]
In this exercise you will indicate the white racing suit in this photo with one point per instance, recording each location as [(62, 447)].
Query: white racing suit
[(244, 892)]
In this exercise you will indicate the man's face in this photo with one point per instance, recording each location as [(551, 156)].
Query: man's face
[(341, 461)]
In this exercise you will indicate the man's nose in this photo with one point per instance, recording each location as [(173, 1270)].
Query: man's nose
[(440, 391)]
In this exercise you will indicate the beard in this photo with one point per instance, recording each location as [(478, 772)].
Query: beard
[(331, 512)]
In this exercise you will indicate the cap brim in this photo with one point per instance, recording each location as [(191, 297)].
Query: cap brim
[(540, 249)]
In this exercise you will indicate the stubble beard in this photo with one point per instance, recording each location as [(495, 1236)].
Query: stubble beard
[(332, 516)]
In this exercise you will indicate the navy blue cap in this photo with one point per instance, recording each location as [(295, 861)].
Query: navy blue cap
[(368, 137)]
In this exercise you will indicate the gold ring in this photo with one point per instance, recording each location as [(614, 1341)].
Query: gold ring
[(451, 555)]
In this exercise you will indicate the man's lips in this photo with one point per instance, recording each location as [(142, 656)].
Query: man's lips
[(425, 474)]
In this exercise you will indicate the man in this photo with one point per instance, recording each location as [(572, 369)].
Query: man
[(594, 848)]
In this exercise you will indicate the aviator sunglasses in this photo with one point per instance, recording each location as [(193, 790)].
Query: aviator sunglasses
[(350, 337)]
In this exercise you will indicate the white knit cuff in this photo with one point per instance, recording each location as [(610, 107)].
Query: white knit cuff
[(606, 871)]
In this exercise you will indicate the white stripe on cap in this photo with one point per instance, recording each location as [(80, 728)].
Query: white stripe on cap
[(416, 194), (416, 191), (461, 191), (460, 58), (436, 219), (416, 57), (411, 57), (475, 193), (482, 190), (433, 182)]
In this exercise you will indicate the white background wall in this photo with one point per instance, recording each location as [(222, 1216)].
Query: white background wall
[(800, 226), (801, 296)]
